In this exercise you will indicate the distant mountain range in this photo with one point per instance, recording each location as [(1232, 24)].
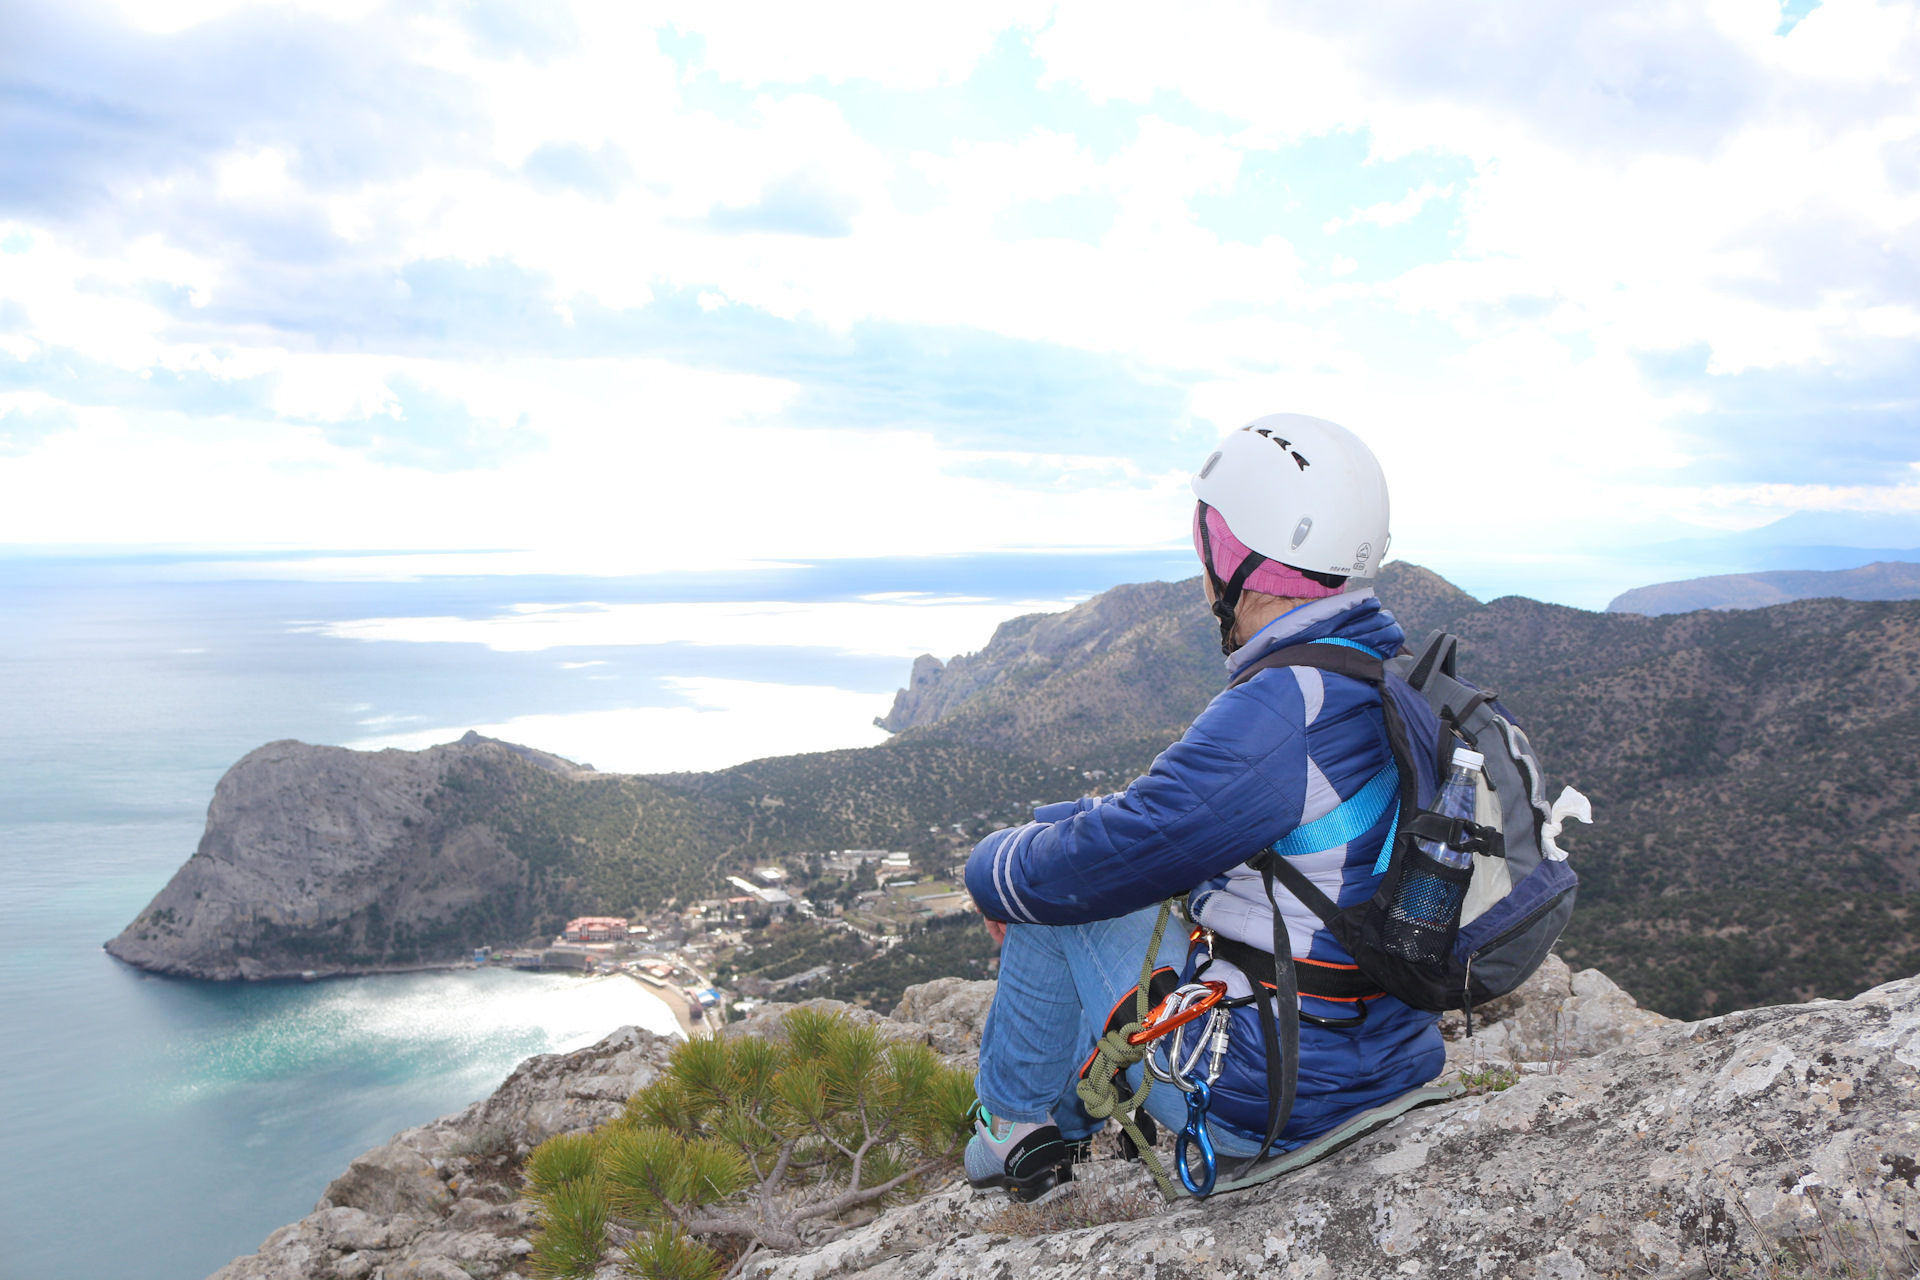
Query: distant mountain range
[(1804, 540), (1756, 779), (1885, 580)]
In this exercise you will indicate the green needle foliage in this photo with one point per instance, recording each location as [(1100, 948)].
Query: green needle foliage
[(573, 1229), (567, 1158), (750, 1141), (668, 1255)]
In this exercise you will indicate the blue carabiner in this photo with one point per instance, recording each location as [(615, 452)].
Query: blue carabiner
[(1196, 1132)]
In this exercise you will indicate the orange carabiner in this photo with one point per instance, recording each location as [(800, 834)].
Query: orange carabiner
[(1159, 1023)]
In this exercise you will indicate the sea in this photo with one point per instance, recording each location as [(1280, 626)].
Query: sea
[(155, 1128)]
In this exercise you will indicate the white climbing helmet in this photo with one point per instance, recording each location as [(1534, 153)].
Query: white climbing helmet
[(1300, 490)]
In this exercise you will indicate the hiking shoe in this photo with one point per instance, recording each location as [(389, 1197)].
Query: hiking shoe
[(1027, 1159)]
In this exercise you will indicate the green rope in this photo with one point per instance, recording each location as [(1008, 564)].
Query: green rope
[(1114, 1054)]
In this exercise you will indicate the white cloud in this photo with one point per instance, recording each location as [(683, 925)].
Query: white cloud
[(723, 722), (1637, 177), (904, 625)]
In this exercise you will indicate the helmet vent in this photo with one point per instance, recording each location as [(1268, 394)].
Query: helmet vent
[(1212, 461), (1300, 531)]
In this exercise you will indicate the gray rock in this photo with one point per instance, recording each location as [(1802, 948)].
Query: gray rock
[(1682, 1149), (355, 1266), (768, 1021), (954, 1012), (394, 1179), (355, 1229), (1556, 1015), (425, 1267), (1694, 1149), (563, 1092)]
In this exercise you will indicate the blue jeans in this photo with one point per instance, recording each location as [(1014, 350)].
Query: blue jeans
[(1058, 984)]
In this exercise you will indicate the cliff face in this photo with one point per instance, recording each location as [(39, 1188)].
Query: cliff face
[(313, 858), (1115, 678), (1126, 669), (1774, 1141)]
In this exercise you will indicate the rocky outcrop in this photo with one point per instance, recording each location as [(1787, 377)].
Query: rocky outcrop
[(1089, 657), (1536, 1178), (954, 1013), (1694, 1149), (442, 1201), (315, 857), (322, 860), (1555, 1016), (947, 1015)]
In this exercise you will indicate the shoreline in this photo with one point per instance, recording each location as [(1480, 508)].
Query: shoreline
[(674, 998), (669, 994), (241, 976)]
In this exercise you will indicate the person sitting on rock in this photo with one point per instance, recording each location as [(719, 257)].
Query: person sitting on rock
[(1290, 508)]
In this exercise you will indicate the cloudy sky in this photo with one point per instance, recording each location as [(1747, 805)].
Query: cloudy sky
[(642, 285)]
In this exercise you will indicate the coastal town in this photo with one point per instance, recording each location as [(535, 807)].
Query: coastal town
[(792, 922)]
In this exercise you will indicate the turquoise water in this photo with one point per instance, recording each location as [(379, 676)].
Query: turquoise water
[(153, 1129), (156, 1128)]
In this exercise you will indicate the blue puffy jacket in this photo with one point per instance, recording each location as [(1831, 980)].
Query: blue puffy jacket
[(1283, 749)]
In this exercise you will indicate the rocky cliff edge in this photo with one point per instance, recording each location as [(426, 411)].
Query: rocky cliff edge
[(1773, 1141)]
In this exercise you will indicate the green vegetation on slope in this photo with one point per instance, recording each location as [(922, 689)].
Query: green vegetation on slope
[(1756, 779), (950, 947)]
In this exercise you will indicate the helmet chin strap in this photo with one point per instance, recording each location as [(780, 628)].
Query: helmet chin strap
[(1226, 595)]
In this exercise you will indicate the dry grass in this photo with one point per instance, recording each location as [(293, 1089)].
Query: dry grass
[(1075, 1206)]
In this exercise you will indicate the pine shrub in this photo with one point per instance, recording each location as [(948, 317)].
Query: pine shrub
[(751, 1143)]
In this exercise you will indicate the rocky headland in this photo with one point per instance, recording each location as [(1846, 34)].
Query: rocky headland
[(1773, 1141), (324, 860)]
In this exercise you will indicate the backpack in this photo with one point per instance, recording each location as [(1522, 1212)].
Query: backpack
[(1517, 896)]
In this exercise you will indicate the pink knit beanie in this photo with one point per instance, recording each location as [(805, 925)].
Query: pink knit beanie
[(1273, 578)]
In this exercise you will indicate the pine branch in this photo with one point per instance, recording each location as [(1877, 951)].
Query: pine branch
[(848, 1199), (859, 1161), (772, 1235)]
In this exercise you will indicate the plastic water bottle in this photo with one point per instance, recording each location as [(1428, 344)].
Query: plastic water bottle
[(1425, 911), (1456, 800)]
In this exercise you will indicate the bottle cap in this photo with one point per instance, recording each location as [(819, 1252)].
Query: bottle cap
[(1465, 759)]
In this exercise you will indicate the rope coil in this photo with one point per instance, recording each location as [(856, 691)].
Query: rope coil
[(1117, 1052)]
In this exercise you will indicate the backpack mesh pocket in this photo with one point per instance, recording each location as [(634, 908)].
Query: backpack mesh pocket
[(1425, 913)]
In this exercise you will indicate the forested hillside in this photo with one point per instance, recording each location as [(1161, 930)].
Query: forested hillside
[(1755, 775)]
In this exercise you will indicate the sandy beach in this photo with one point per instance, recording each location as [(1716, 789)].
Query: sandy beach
[(675, 999)]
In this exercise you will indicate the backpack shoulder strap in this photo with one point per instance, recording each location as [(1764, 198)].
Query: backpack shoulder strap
[(1343, 657)]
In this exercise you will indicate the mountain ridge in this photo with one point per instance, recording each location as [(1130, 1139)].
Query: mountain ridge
[(1881, 580), (1756, 778)]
